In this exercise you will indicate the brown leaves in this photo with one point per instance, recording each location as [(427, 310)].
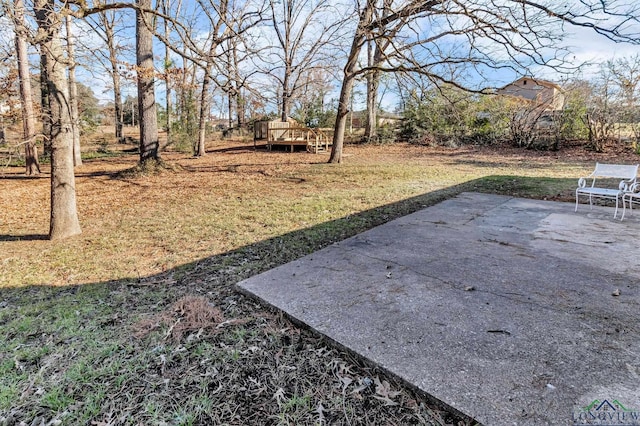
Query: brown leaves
[(189, 313), (384, 392)]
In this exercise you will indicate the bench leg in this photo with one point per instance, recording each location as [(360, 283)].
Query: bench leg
[(624, 206)]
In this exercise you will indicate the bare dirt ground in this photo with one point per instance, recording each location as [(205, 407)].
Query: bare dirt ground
[(136, 321)]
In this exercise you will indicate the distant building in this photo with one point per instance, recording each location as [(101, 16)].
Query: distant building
[(384, 119), (545, 94)]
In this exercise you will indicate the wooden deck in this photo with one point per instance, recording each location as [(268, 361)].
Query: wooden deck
[(290, 135)]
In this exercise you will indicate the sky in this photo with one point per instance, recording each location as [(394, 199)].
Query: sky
[(587, 47), (590, 47)]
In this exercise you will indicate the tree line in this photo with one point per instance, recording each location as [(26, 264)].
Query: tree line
[(598, 109), (288, 50)]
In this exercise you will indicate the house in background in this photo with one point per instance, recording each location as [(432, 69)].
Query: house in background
[(384, 118), (545, 94)]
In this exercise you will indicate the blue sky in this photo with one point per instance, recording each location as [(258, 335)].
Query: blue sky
[(587, 46)]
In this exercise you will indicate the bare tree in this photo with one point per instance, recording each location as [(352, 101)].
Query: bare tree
[(234, 82), (375, 55), (26, 98), (104, 24), (222, 20), (304, 30), (310, 106), (457, 42), (233, 78), (186, 106), (64, 216), (524, 122), (217, 13), (625, 76), (601, 113)]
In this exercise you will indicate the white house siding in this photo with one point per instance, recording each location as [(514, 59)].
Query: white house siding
[(538, 91)]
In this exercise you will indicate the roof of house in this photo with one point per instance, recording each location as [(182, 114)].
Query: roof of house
[(538, 81)]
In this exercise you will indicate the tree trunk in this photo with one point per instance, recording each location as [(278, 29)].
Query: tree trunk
[(230, 108), (26, 97), (167, 70), (44, 101), (115, 78), (370, 125), (204, 108), (348, 81), (286, 98), (375, 56), (147, 115), (64, 216), (73, 95), (168, 100), (117, 100), (239, 102), (240, 109), (341, 119), (186, 102)]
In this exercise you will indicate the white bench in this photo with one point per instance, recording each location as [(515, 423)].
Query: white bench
[(632, 195), (628, 174)]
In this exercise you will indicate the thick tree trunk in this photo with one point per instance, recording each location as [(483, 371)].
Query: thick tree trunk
[(26, 96), (341, 120), (348, 81), (64, 215), (73, 95), (148, 117)]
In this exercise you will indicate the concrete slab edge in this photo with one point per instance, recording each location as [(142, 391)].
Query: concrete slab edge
[(459, 415)]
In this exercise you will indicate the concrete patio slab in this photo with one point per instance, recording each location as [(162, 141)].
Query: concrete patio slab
[(512, 311)]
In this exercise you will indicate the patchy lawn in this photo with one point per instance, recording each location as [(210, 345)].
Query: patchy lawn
[(136, 321)]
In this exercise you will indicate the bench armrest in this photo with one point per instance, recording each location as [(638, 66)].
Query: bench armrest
[(582, 182), (633, 188)]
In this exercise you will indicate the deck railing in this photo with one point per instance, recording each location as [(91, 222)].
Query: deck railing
[(288, 134)]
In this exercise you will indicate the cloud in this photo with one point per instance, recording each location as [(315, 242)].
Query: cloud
[(588, 46)]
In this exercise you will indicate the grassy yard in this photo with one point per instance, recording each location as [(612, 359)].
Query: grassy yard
[(136, 320)]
